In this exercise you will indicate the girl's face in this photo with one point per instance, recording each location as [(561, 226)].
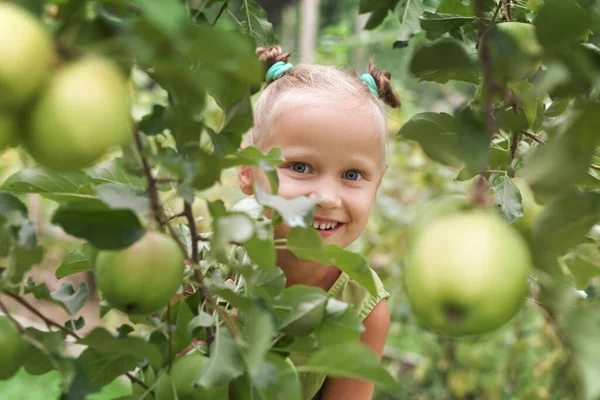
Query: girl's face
[(335, 154)]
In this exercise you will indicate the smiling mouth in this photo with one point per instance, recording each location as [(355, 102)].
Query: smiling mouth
[(325, 226)]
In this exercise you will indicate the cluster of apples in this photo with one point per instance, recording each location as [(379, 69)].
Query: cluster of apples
[(65, 113)]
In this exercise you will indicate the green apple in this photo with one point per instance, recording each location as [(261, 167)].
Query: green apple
[(27, 54), (84, 111), (466, 274), (433, 210), (530, 207), (514, 49), (141, 278), (181, 380), (12, 347), (8, 131)]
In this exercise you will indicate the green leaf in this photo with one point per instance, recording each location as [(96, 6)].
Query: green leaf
[(108, 357), (155, 122), (79, 260), (455, 7), (376, 18), (115, 172), (255, 22), (21, 259), (53, 185), (262, 251), (73, 300), (441, 23), (436, 134), (259, 329), (102, 226), (167, 16), (253, 156), (66, 297), (306, 243), (408, 13), (583, 328), (226, 362), (574, 22), (508, 198), (295, 212), (564, 223), (341, 324), (181, 316), (525, 93), (37, 362), (231, 228), (228, 52), (565, 160), (559, 105), (301, 309), (353, 264), (584, 263), (119, 196), (354, 360), (440, 61), (75, 324)]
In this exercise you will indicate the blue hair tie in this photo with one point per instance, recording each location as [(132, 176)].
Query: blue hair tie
[(277, 70), (368, 79)]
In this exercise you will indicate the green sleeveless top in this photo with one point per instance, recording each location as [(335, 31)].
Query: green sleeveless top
[(351, 292)]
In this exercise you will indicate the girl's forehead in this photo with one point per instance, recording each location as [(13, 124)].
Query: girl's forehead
[(328, 129)]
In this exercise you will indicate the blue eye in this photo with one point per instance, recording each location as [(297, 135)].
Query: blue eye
[(300, 168), (352, 175)]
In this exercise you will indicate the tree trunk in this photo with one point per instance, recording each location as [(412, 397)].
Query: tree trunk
[(309, 29)]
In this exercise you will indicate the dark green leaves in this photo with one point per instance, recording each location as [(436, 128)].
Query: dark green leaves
[(564, 222), (103, 227), (354, 360), (574, 23), (256, 24), (306, 243), (108, 357), (436, 133), (226, 362), (301, 309), (63, 186), (440, 23), (79, 260), (440, 61)]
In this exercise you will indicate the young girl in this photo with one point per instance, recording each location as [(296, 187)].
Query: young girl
[(331, 127)]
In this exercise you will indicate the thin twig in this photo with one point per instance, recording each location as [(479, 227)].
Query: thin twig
[(158, 213), (496, 12), (223, 7), (152, 189), (534, 137), (174, 216), (170, 335), (189, 214), (506, 10), (69, 332)]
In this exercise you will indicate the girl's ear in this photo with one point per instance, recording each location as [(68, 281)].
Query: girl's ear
[(245, 177)]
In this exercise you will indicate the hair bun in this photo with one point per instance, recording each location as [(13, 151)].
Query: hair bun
[(384, 86), (271, 55)]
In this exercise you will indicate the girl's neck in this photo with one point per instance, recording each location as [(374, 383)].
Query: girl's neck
[(306, 272)]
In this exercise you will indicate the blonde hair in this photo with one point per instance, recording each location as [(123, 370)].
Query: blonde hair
[(308, 84)]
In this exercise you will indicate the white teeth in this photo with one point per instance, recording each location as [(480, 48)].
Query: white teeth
[(325, 225)]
